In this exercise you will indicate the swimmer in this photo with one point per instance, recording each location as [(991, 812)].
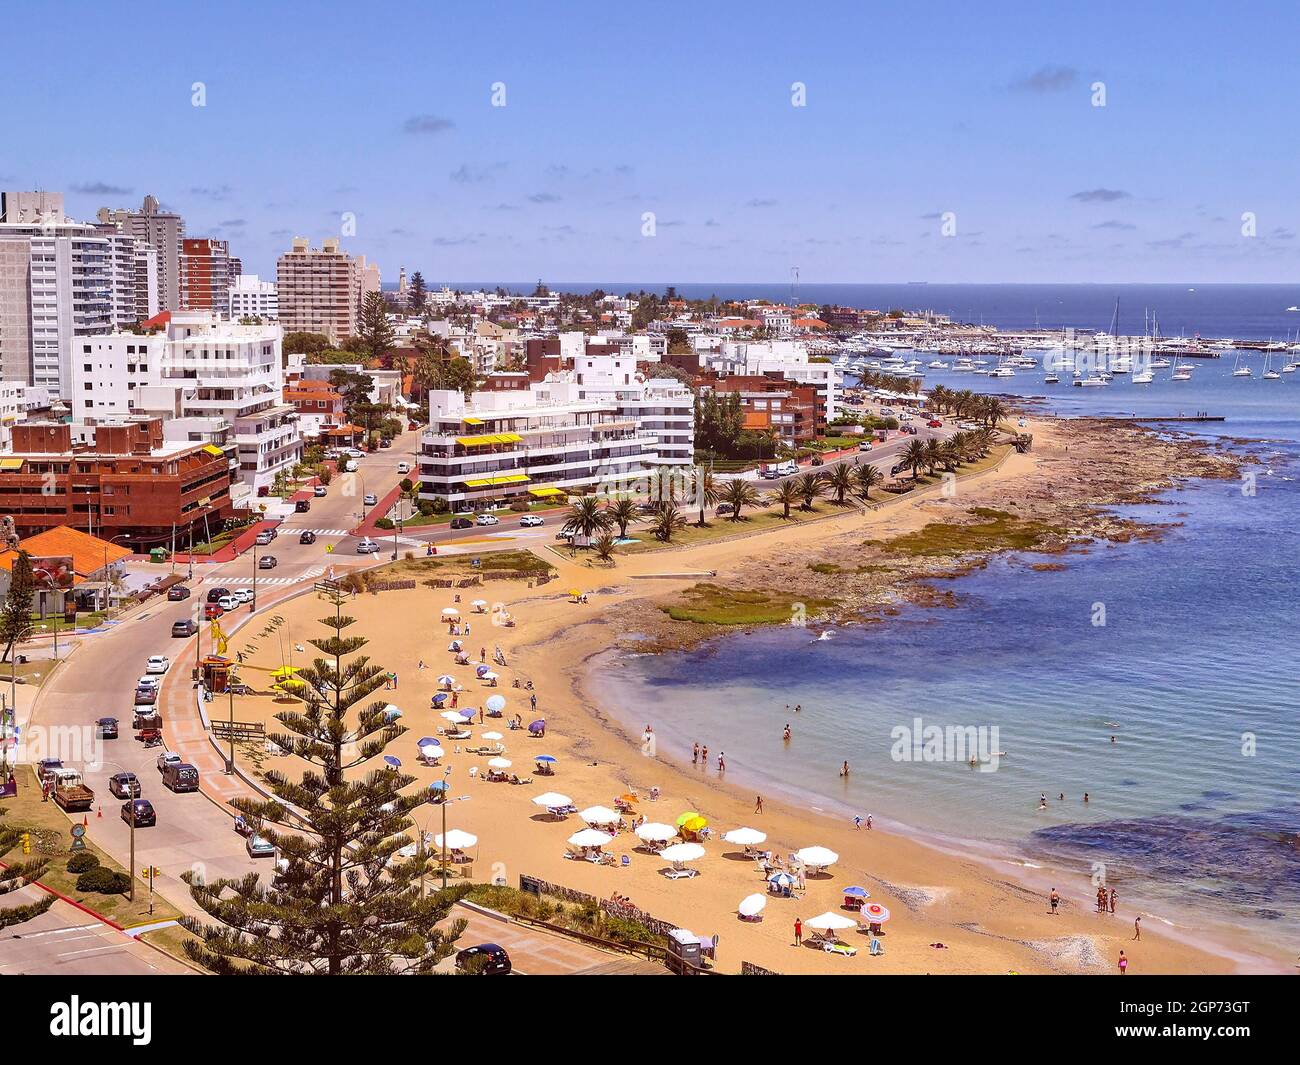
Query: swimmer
[(786, 734), (844, 769)]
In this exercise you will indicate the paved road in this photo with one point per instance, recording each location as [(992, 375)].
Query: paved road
[(64, 941)]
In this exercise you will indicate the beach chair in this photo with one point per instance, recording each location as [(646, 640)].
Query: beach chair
[(625, 861), (843, 949), (680, 874), (877, 948)]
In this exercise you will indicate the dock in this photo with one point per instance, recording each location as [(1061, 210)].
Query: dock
[(1199, 416)]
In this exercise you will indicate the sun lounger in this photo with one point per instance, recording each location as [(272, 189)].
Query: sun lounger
[(680, 874), (877, 948), (836, 947)]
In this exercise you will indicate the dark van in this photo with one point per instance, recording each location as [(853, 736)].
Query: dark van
[(181, 776)]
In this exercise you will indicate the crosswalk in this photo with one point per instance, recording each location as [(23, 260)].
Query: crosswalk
[(320, 532), (307, 575)]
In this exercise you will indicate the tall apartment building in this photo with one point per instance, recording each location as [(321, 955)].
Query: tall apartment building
[(251, 297), (214, 382), (205, 274), (662, 407), (321, 290), (164, 232), (788, 359)]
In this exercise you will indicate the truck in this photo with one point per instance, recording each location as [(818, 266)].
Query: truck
[(70, 791)]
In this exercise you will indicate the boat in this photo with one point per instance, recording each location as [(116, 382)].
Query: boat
[(1091, 382), (937, 364), (1051, 379), (1270, 374), (1181, 373), (1240, 371), (1143, 377)]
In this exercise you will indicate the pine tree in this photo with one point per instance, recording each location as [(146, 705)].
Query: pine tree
[(375, 335), (341, 902), (416, 292), (16, 614), (18, 875)]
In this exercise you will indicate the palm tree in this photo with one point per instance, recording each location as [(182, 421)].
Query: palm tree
[(706, 491), (811, 485), (668, 521), (949, 455), (787, 494), (914, 456), (586, 517), (739, 494), (933, 454), (868, 476), (840, 482), (605, 547), (622, 513)]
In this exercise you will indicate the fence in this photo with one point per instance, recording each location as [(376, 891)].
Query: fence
[(242, 730)]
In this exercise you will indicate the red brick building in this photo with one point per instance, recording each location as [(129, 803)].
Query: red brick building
[(795, 412), (127, 485)]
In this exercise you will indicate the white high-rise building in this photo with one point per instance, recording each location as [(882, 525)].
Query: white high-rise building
[(662, 407), (213, 381), (251, 297)]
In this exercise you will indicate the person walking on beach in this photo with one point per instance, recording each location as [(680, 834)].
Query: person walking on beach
[(798, 931), (1123, 963), (868, 822), (1055, 900), (1113, 897), (857, 823), (532, 700), (695, 754), (704, 756), (758, 804), (1137, 928), (722, 761), (844, 769)]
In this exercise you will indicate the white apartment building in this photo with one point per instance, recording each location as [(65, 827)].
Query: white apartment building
[(16, 399), (541, 442), (789, 358), (251, 297), (662, 407), (214, 382)]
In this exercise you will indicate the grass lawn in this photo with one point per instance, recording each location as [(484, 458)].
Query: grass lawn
[(997, 530), (170, 939), (33, 671), (217, 542), (84, 621), (50, 838), (754, 520), (523, 564), (711, 604)]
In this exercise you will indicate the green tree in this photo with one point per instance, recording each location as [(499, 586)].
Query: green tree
[(604, 547), (668, 521), (416, 292), (739, 493), (914, 456), (706, 491), (16, 614), (787, 494), (811, 485), (342, 901), (840, 481), (586, 517), (375, 334), (868, 476), (19, 874), (304, 343), (622, 512)]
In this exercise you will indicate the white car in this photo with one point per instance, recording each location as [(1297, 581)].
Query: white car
[(353, 452), (227, 602), (168, 758), (157, 664), (258, 847), (531, 521), (487, 519), (242, 595), (147, 682), (403, 467), (371, 499)]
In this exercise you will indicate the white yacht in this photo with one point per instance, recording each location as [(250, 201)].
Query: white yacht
[(1270, 374), (1091, 382), (1143, 377), (1182, 372), (1240, 371), (1051, 379)]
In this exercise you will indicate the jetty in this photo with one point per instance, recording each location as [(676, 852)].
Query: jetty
[(1199, 416)]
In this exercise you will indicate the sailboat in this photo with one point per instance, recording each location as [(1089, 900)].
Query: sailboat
[(1240, 371), (1143, 377), (1270, 374), (1182, 372)]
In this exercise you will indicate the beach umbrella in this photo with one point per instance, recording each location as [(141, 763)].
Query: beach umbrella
[(482, 668), (452, 715), (431, 750), (500, 763), (450, 612), (830, 922), (745, 837), (752, 905), (590, 837), (652, 832), (496, 703), (599, 815), (489, 675), (682, 852), (455, 645), (428, 739), (856, 893), (456, 839), (875, 913), (446, 681), (538, 726), (550, 799), (545, 758), (479, 604), (689, 815), (439, 785), (392, 712), (695, 824), (492, 736), (629, 797), (781, 879), (396, 763), (819, 857)]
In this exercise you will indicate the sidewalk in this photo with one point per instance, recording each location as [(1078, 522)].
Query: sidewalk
[(232, 550), (379, 510)]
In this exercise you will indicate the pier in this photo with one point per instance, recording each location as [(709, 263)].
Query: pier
[(1199, 416)]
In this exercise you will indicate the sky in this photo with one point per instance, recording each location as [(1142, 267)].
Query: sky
[(671, 142)]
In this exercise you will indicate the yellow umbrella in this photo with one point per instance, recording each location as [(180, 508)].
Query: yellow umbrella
[(284, 671), (689, 815), (291, 682), (695, 824)]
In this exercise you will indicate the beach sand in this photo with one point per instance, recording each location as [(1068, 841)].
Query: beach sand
[(989, 921)]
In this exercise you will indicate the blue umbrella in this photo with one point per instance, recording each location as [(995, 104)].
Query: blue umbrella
[(538, 726), (394, 762), (480, 670), (781, 879), (392, 714), (426, 740), (543, 758), (438, 785), (857, 893)]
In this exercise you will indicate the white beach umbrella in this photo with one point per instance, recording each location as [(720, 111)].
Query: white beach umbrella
[(653, 832), (489, 675), (456, 839), (819, 857), (751, 905), (745, 837), (432, 750), (452, 715), (492, 736), (500, 763), (590, 837), (450, 612), (830, 922), (479, 603), (599, 815), (682, 852), (551, 798), (496, 703), (446, 680)]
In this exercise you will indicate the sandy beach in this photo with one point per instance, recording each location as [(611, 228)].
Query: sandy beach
[(950, 913)]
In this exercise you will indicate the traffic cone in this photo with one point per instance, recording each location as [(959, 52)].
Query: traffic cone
[(85, 821), (99, 812)]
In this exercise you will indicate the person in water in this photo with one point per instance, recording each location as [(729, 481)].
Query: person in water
[(786, 735), (844, 769)]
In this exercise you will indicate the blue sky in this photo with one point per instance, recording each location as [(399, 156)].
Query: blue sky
[(684, 110)]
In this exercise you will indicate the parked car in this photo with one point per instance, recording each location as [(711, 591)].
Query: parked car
[(865, 445), (107, 728), (157, 664), (243, 826), (148, 681), (258, 847), (487, 519), (350, 466), (934, 423), (267, 562), (184, 629), (265, 537), (320, 491), (371, 499), (216, 593), (46, 766), (146, 696), (301, 506), (723, 510), (124, 786), (385, 442), (531, 521), (487, 959), (242, 595), (307, 537), (461, 523), (144, 813), (897, 468), (354, 453), (180, 776), (177, 592), (366, 546), (168, 758), (238, 687), (228, 602)]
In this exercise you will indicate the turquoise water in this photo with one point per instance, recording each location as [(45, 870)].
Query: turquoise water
[(1194, 673)]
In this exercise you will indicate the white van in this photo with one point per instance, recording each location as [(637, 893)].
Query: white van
[(351, 466), (403, 467)]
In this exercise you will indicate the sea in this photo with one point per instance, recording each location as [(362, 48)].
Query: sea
[(1159, 678)]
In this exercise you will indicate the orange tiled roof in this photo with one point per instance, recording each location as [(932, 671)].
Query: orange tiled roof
[(88, 553)]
